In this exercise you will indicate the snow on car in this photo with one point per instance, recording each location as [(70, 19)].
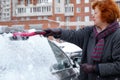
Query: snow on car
[(34, 59)]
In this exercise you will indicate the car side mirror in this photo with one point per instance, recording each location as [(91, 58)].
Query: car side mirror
[(60, 66)]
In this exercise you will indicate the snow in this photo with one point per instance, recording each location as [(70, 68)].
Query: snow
[(31, 30), (68, 47), (26, 60)]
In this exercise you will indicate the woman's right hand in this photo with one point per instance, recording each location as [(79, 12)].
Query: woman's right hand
[(52, 32)]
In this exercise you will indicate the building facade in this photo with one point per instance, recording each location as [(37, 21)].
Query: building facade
[(39, 14), (118, 2)]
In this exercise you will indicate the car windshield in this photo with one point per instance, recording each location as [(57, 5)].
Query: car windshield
[(29, 59), (61, 57)]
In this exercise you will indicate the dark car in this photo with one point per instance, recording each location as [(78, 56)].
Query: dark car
[(35, 59)]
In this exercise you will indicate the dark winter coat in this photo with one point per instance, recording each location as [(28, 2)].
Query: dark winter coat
[(109, 68)]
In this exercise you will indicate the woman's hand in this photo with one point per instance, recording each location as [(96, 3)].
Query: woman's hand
[(88, 68), (52, 32)]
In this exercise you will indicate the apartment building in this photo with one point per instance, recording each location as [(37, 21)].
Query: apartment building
[(5, 13), (118, 2), (39, 14)]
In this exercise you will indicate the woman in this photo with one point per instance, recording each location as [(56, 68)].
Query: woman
[(100, 43)]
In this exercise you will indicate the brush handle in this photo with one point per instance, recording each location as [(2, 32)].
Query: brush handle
[(27, 34)]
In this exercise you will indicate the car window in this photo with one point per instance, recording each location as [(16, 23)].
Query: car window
[(61, 57)]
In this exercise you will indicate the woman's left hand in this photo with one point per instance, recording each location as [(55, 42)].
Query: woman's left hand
[(88, 68)]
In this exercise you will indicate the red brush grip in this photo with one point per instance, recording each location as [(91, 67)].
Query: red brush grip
[(24, 34), (28, 34)]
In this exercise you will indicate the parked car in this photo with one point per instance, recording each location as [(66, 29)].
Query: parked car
[(35, 59), (72, 50)]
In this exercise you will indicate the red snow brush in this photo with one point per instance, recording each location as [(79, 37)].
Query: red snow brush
[(26, 35)]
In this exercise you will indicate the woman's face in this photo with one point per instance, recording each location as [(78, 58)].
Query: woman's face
[(97, 17)]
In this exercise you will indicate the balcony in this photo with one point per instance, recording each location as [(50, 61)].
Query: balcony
[(69, 10), (117, 0), (34, 10)]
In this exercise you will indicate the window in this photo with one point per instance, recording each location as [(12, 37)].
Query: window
[(7, 10), (22, 19), (86, 9), (58, 1), (27, 18), (7, 0), (87, 18), (57, 9), (78, 18), (58, 19), (7, 14), (42, 1), (21, 1), (78, 10), (46, 1), (46, 17), (44, 9), (39, 18), (68, 9), (34, 9), (86, 1), (28, 2), (78, 1), (65, 9), (31, 10), (39, 1), (67, 19), (27, 10), (38, 9), (118, 2), (49, 8), (4, 14), (7, 5), (67, 1)]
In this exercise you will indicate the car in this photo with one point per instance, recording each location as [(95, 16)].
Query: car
[(36, 58), (72, 50)]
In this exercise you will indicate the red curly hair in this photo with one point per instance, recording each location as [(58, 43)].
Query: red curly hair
[(109, 10)]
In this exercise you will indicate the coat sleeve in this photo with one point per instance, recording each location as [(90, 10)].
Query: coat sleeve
[(113, 68), (76, 37)]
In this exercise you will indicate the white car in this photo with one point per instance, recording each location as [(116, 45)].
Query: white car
[(35, 59)]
